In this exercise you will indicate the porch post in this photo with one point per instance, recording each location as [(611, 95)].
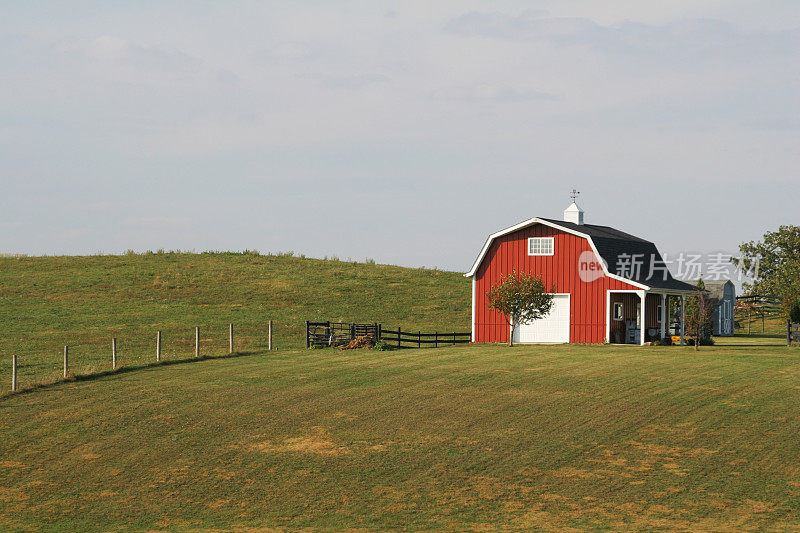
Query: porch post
[(683, 317), (643, 297), (663, 316), (608, 317)]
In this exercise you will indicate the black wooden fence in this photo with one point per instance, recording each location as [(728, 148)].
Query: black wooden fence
[(792, 333), (338, 333), (409, 339)]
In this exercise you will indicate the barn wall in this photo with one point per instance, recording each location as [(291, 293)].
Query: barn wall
[(588, 300)]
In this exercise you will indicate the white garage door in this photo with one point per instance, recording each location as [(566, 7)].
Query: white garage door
[(552, 328)]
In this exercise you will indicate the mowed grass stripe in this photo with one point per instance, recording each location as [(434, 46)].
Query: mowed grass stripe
[(453, 438)]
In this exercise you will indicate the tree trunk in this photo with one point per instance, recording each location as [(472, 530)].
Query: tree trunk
[(513, 326), (699, 322)]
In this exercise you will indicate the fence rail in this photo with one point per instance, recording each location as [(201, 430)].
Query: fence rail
[(339, 333), (70, 366), (401, 339), (767, 305), (757, 307), (792, 333)]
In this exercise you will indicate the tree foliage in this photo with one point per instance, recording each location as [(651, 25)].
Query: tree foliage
[(778, 262), (520, 298), (700, 315)]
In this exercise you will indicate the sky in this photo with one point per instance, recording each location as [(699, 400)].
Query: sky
[(404, 132)]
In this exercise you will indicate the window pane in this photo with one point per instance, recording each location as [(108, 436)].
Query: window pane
[(540, 246)]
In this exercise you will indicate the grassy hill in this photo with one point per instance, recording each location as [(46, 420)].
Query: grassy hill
[(49, 302), (467, 437), (455, 438)]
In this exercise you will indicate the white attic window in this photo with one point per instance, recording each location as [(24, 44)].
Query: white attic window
[(541, 246)]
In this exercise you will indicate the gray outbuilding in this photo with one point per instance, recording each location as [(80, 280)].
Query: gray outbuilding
[(723, 294)]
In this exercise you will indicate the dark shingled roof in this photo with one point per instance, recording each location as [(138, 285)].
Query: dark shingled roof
[(715, 288), (618, 249)]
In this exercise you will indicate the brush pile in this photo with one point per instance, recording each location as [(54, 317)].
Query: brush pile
[(365, 341)]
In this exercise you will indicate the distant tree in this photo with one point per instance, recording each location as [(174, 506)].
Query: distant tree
[(699, 315), (777, 258), (750, 309), (520, 298)]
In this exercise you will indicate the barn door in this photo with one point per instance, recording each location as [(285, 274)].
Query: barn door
[(552, 328)]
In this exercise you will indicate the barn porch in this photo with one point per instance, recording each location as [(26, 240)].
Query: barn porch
[(663, 316)]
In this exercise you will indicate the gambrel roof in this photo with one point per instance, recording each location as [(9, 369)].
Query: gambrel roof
[(614, 248)]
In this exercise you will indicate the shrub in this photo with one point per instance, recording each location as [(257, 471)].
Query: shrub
[(704, 341), (382, 346), (794, 312)]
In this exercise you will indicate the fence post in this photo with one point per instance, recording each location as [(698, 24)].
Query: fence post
[(66, 361), (419, 338), (788, 333), (230, 338), (197, 341), (380, 331), (114, 353), (454, 338), (158, 346), (269, 336), (435, 339), (398, 336), (352, 331), (308, 344), (14, 372)]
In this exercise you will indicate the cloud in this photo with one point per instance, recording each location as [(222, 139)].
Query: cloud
[(700, 38), (488, 92), (285, 51), (345, 81), (114, 50)]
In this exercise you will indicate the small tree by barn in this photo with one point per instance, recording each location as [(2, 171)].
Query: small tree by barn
[(520, 298), (700, 315)]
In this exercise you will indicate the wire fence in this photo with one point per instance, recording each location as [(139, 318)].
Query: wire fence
[(38, 361)]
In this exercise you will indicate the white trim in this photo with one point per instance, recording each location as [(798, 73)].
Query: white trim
[(608, 317), (642, 316), (569, 299), (474, 283), (552, 241), (533, 221), (614, 314)]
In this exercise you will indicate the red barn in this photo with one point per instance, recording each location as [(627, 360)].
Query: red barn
[(610, 286)]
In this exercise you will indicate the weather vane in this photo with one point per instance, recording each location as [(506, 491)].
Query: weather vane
[(574, 194)]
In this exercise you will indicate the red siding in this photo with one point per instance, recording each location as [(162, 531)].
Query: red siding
[(588, 299)]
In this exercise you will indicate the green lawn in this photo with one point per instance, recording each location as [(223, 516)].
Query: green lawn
[(49, 302), (454, 438)]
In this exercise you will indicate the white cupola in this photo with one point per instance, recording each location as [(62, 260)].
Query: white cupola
[(573, 214)]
